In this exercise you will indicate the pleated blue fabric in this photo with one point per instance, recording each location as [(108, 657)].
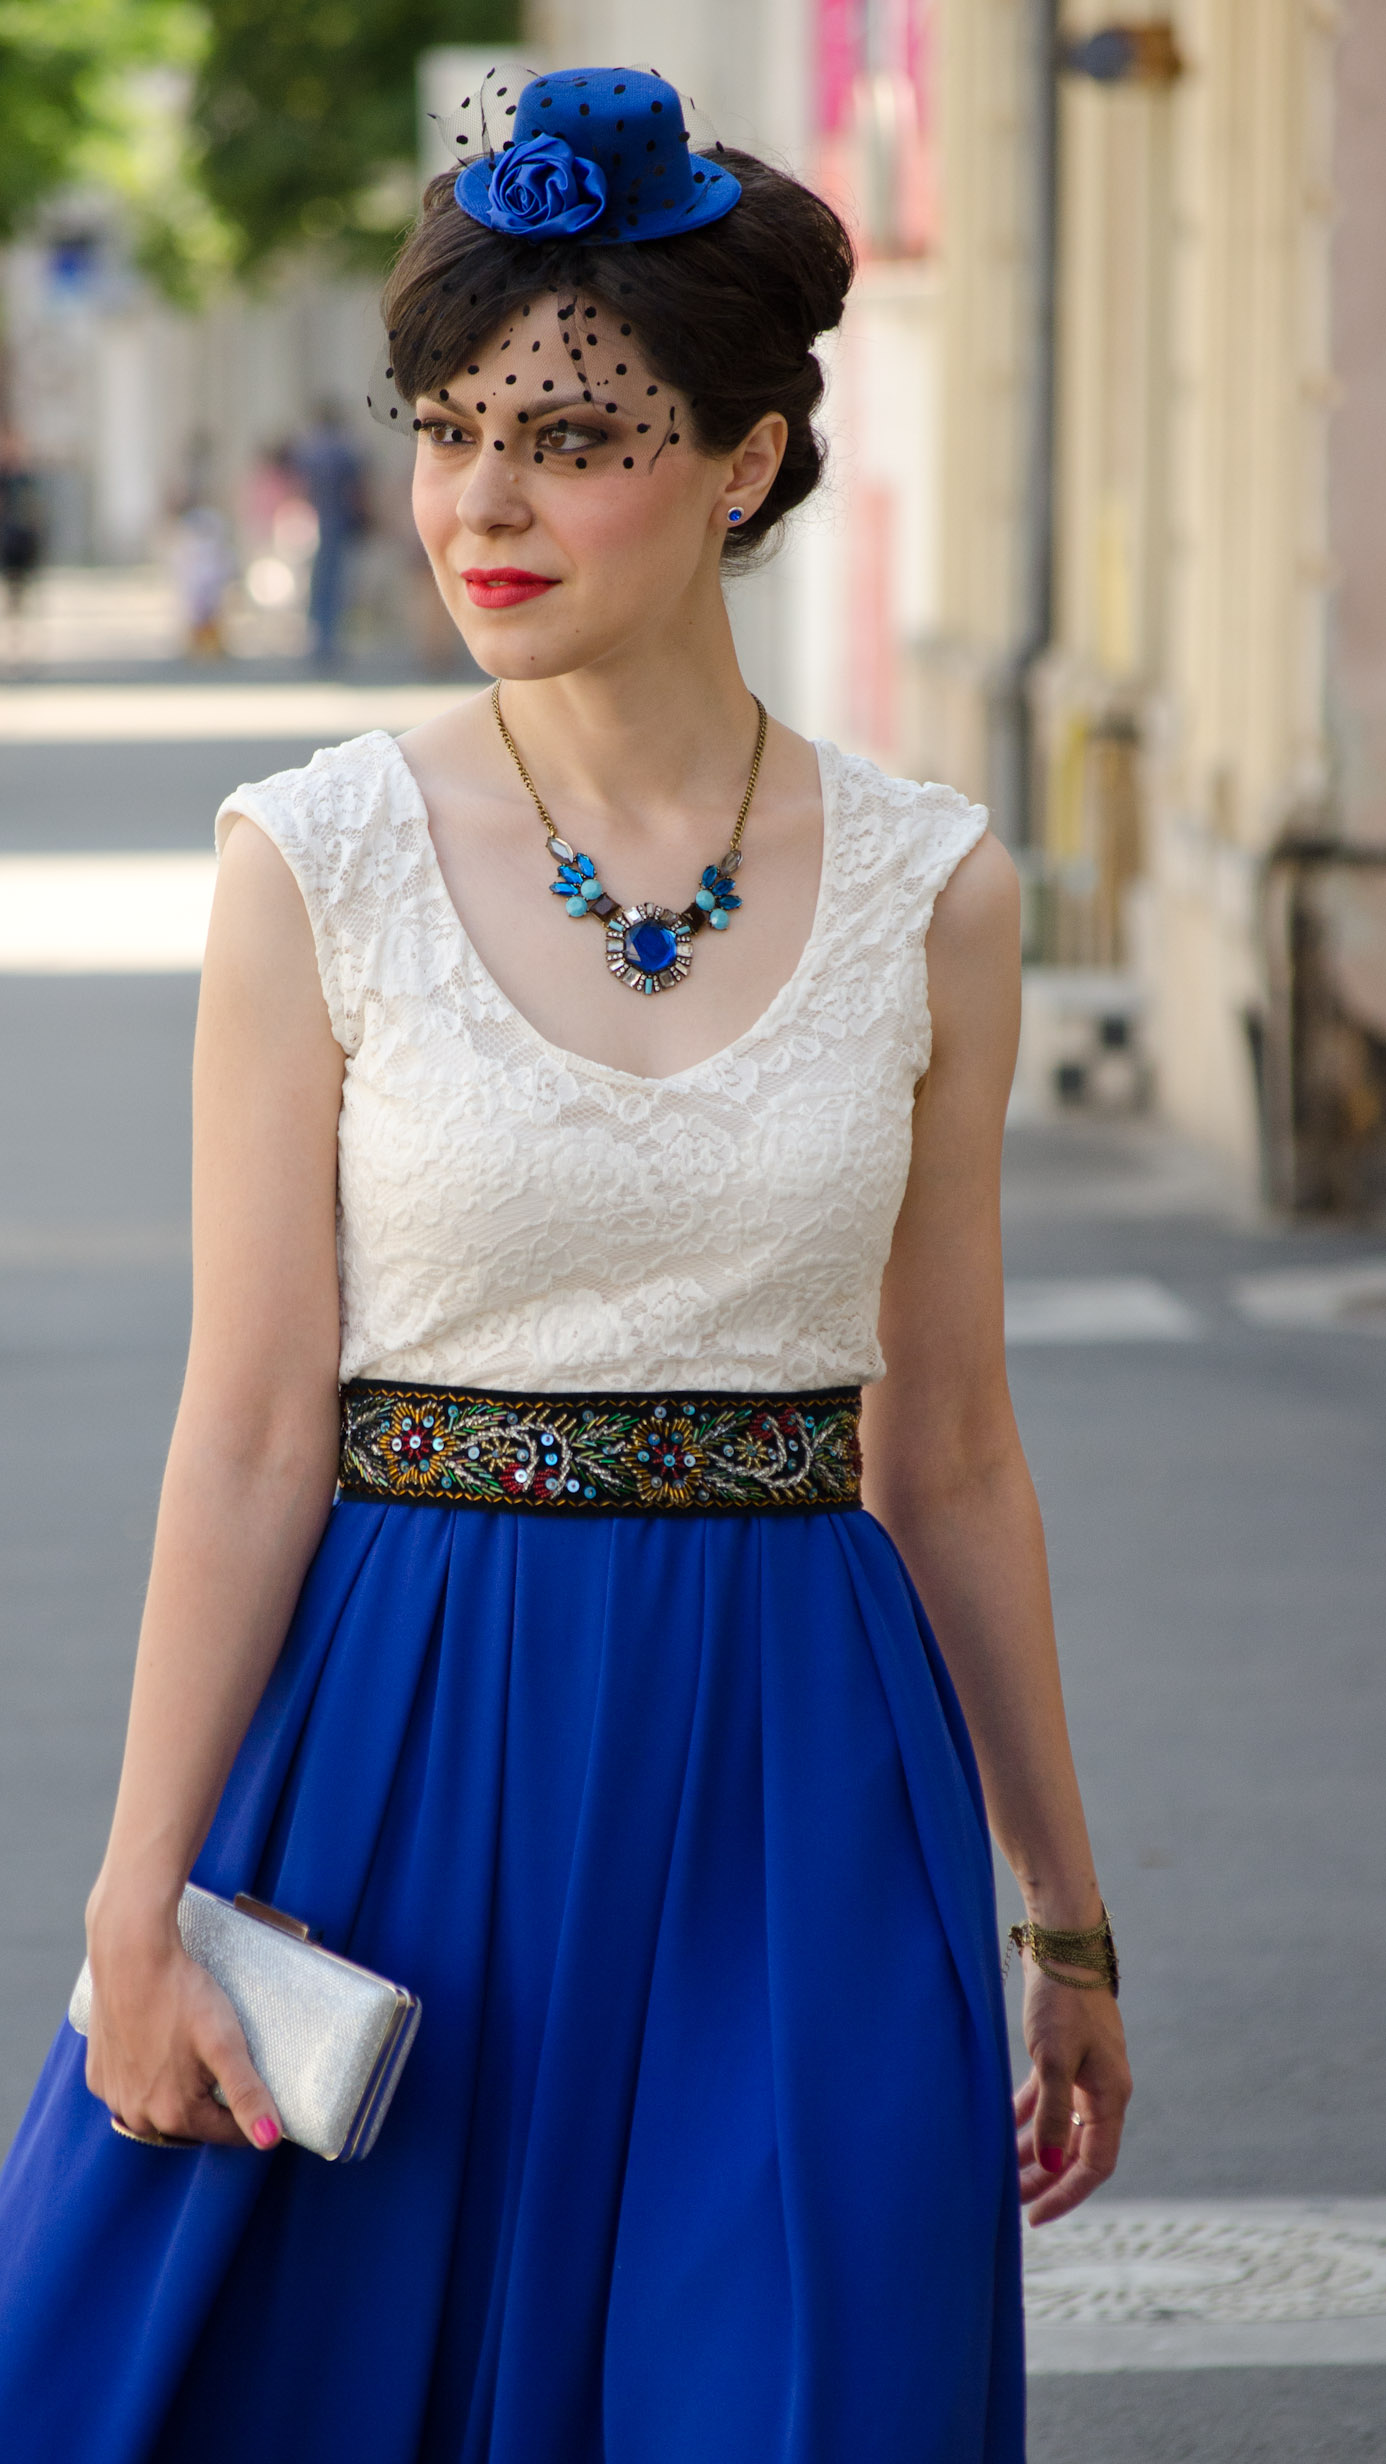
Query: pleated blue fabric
[(704, 2147)]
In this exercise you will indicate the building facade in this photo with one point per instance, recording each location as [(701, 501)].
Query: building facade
[(1204, 716), (1182, 704)]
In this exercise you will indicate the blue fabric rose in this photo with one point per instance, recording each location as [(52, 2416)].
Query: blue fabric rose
[(542, 186)]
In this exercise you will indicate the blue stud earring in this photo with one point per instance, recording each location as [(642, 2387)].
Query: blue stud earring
[(736, 513)]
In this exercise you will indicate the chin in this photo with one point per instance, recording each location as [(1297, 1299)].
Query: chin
[(531, 653), (504, 643), (519, 659)]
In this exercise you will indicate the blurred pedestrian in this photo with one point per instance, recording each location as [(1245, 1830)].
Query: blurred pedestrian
[(270, 483), (331, 472), (21, 530), (202, 554), (204, 567)]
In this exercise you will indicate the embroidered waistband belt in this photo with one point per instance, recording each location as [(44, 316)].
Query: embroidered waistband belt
[(602, 1454)]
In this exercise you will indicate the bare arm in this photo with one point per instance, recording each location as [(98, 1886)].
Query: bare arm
[(250, 1478), (945, 1473)]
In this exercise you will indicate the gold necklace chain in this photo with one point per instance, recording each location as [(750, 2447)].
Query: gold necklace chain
[(559, 846)]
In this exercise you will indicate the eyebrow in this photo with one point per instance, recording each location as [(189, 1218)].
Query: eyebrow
[(543, 406)]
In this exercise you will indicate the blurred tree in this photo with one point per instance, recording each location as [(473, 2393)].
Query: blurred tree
[(229, 129), (64, 65), (305, 115)]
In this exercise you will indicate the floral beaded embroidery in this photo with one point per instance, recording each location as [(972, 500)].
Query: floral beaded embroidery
[(601, 1453), (413, 1442), (669, 1465)]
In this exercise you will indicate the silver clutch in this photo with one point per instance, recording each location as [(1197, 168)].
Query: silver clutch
[(328, 2038)]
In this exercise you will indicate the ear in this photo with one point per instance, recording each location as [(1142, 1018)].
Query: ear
[(753, 466)]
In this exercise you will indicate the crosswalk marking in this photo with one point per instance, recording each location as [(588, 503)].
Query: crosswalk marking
[(1096, 1309), (325, 711), (1349, 1299), (104, 914)]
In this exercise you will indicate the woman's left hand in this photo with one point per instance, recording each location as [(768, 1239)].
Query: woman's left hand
[(1071, 2109)]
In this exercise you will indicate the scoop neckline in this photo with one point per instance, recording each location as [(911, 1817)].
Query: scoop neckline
[(561, 1053)]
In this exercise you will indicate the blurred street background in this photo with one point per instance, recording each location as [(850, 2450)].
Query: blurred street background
[(1104, 542)]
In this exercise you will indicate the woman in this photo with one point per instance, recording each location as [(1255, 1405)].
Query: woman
[(595, 1708), (21, 529)]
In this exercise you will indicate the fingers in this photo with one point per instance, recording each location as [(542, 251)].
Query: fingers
[(1047, 2118), (1049, 2198), (196, 2119), (1092, 2145), (194, 2084), (1052, 2127), (1037, 2175), (250, 2109)]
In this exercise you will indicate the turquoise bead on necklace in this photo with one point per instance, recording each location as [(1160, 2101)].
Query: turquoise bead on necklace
[(647, 946)]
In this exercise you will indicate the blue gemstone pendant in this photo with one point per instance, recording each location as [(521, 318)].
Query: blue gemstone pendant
[(648, 947), (651, 947)]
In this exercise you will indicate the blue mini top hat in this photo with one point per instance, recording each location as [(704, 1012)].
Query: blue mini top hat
[(601, 154)]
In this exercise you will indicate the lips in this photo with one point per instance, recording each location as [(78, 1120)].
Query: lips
[(504, 585)]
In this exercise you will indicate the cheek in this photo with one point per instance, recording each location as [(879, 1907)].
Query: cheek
[(434, 496), (650, 519)]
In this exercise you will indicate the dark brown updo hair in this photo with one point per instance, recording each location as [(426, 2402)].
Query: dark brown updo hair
[(726, 315)]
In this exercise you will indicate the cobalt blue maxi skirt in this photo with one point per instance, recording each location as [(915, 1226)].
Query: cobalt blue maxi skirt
[(704, 2148)]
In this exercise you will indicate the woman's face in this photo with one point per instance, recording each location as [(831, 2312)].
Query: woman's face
[(559, 495)]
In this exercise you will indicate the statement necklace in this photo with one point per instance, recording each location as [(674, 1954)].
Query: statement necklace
[(647, 947)]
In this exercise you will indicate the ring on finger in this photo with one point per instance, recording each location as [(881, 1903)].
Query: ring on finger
[(149, 2138)]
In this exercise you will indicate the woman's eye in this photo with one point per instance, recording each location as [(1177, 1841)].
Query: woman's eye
[(439, 432), (564, 436)]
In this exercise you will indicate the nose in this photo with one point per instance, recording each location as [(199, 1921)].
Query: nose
[(491, 497)]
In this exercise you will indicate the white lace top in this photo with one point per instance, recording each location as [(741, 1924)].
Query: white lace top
[(512, 1216)]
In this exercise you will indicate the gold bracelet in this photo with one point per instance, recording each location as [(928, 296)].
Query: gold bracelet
[(1093, 1949)]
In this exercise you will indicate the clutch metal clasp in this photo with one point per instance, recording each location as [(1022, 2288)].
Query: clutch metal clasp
[(278, 1917)]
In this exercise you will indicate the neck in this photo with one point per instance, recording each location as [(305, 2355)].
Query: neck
[(648, 730)]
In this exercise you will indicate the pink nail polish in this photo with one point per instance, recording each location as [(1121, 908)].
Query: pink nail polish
[(1052, 2159), (265, 2133)]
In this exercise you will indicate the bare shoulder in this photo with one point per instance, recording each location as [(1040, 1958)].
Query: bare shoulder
[(254, 878), (978, 909), (260, 948), (974, 967)]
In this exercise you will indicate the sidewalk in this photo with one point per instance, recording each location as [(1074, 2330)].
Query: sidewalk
[(124, 625)]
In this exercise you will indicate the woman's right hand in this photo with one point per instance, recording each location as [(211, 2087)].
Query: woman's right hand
[(162, 2034)]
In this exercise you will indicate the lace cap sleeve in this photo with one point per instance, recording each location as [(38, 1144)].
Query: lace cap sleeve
[(327, 821), (948, 828)]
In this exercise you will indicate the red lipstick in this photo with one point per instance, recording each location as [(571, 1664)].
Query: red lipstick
[(504, 585)]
